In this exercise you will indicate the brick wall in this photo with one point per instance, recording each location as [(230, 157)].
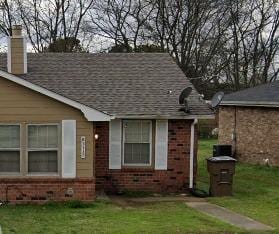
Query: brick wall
[(256, 133), (175, 179), (40, 190)]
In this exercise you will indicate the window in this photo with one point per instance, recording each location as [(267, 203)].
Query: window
[(43, 148), (137, 142), (9, 148)]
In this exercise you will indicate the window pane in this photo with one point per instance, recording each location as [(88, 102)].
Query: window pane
[(137, 131), (145, 153), (9, 136), (132, 131), (52, 136), (145, 131), (9, 161), (32, 136), (128, 153), (42, 161), (137, 153), (42, 136)]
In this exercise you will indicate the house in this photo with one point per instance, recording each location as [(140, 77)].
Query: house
[(72, 124), (249, 120)]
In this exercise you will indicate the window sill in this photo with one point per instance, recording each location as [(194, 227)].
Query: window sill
[(30, 176), (42, 175), (10, 175), (137, 169)]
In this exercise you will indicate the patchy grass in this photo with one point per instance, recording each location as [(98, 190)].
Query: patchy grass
[(103, 217), (256, 188)]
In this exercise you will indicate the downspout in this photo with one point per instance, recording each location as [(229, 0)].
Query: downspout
[(234, 133), (192, 149)]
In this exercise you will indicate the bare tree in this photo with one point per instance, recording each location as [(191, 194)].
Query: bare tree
[(122, 21), (215, 42), (47, 21), (254, 44), (192, 31), (6, 17)]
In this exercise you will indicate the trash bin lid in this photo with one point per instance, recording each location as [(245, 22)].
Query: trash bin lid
[(221, 159)]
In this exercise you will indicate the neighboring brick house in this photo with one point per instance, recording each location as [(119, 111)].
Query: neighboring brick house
[(71, 124), (249, 120)]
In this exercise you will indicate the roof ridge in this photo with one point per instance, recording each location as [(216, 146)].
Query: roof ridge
[(251, 88)]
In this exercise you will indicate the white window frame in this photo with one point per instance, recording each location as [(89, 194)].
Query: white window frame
[(150, 142), (13, 149), (58, 149)]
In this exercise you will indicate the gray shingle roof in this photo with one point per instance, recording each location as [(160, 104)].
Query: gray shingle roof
[(118, 84), (266, 94)]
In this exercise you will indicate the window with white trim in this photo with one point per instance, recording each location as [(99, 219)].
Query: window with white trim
[(9, 148), (43, 148), (137, 142)]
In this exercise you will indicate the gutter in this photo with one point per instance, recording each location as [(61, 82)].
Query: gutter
[(250, 103), (164, 116), (192, 148)]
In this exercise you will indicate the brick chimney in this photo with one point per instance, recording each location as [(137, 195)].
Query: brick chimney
[(17, 55)]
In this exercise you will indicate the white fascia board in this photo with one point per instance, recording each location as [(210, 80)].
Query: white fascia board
[(94, 115), (9, 64), (89, 113), (250, 103), (164, 117), (25, 55)]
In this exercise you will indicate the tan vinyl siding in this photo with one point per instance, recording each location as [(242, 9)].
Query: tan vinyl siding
[(22, 105), (17, 55)]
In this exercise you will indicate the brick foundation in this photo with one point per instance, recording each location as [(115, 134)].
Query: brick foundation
[(256, 133), (175, 179), (40, 190)]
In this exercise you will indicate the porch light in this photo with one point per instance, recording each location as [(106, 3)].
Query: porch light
[(96, 136)]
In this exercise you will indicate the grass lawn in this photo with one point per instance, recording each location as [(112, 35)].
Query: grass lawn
[(256, 188), (256, 195), (101, 217)]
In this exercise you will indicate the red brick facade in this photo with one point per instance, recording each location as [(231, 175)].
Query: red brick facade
[(174, 179), (40, 190)]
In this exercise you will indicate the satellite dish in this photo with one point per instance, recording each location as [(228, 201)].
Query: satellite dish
[(183, 99), (184, 94), (217, 98)]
